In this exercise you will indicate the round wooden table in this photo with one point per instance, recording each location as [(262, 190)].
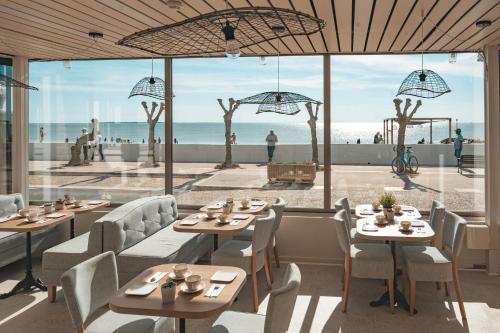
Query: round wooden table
[(422, 231)]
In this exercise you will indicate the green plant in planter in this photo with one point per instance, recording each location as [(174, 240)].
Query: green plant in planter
[(387, 200)]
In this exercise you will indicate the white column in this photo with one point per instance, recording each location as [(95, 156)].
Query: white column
[(20, 129), (492, 152), (327, 147)]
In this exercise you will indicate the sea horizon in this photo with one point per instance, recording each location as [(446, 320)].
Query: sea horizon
[(248, 132)]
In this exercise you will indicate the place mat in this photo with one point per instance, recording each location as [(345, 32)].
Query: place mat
[(95, 202), (369, 227), (223, 276), (258, 203), (366, 211), (54, 215), (9, 217), (235, 222), (214, 290), (417, 224), (240, 216), (214, 206), (188, 222)]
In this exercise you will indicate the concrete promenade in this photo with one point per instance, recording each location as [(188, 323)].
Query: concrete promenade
[(199, 183)]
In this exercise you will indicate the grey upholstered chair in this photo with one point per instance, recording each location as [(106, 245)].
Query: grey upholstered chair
[(363, 260), (87, 289), (429, 263), (343, 203), (436, 218), (278, 315), (249, 256), (278, 206)]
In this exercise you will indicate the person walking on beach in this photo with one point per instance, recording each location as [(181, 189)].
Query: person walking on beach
[(42, 134), (271, 140), (233, 138), (458, 144)]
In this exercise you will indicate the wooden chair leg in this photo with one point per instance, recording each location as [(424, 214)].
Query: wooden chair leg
[(254, 283), (347, 278), (267, 268), (438, 285), (447, 289), (276, 256), (268, 258), (80, 329), (390, 286), (458, 290), (51, 293), (413, 289)]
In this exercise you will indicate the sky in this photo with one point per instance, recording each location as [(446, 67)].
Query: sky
[(363, 87)]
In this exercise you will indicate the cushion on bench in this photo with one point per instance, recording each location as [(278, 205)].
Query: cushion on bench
[(165, 246)]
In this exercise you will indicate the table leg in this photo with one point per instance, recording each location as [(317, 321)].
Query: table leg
[(399, 297), (72, 228), (216, 242), (182, 325), (29, 282)]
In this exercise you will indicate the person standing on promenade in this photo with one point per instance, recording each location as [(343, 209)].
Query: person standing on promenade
[(98, 144), (85, 145), (233, 138), (42, 134), (271, 140), (458, 144)]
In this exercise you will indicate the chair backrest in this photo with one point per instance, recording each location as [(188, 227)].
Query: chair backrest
[(453, 233), (343, 233), (436, 215), (343, 203), (436, 218), (263, 231), (278, 207), (282, 301), (132, 222), (89, 285), (11, 203)]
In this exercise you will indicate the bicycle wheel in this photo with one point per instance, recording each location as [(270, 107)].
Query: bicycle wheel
[(398, 167), (413, 163)]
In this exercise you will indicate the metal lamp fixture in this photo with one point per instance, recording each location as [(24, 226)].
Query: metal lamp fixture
[(232, 46), (150, 86)]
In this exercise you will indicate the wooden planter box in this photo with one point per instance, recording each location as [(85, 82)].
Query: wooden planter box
[(292, 171)]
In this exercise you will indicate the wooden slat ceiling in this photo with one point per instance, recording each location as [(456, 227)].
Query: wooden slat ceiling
[(58, 29)]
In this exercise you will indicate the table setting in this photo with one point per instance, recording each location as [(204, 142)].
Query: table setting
[(181, 291)]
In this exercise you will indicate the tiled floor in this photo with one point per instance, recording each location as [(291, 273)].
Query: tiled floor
[(317, 308)]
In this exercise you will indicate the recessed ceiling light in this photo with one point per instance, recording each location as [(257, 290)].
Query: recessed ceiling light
[(174, 4), (96, 35), (483, 24)]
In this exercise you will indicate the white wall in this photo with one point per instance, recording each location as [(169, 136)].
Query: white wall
[(431, 155)]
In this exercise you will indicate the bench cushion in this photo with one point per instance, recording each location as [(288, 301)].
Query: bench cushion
[(62, 257), (165, 246)]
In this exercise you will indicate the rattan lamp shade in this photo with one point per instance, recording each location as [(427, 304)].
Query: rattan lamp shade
[(7, 81), (278, 102), (149, 86), (423, 83)]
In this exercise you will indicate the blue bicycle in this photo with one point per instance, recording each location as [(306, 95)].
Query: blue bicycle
[(405, 160)]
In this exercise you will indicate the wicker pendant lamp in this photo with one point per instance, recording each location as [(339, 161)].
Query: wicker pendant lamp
[(423, 83)]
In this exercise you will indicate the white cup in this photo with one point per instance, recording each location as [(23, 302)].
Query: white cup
[(180, 270), (193, 282)]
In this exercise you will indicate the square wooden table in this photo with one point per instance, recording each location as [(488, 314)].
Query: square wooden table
[(193, 306), (212, 226), (391, 232), (19, 225), (253, 209)]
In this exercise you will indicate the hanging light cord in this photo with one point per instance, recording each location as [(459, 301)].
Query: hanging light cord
[(152, 72), (422, 39), (278, 65)]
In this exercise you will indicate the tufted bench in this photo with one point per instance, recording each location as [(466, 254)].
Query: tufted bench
[(139, 232)]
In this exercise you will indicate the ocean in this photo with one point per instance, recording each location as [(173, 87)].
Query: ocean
[(248, 133)]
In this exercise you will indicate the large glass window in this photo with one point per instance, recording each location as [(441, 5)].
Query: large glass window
[(199, 131), (363, 113), (92, 97), (5, 129)]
